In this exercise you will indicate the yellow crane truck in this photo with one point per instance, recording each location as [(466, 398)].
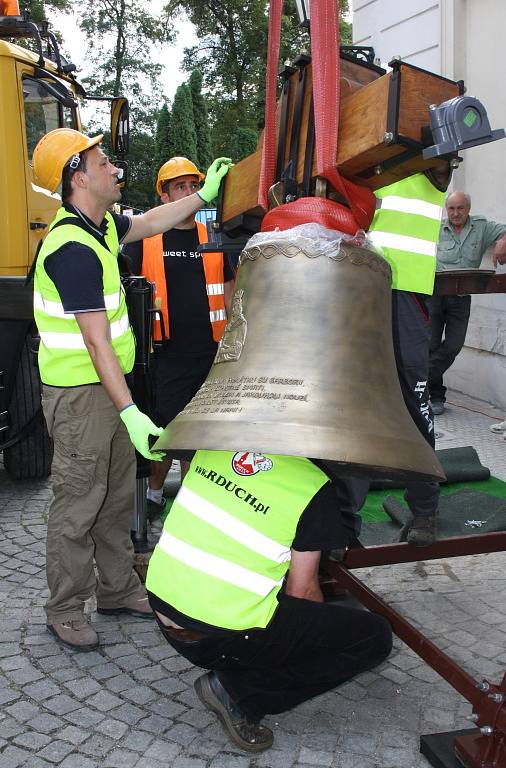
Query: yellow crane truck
[(38, 92)]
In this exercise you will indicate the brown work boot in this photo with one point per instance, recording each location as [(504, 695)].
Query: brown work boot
[(76, 633), (134, 606), (422, 531), (248, 735)]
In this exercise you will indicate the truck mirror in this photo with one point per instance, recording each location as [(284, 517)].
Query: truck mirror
[(120, 126)]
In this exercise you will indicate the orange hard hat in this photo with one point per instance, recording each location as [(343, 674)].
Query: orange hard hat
[(175, 167), (54, 151)]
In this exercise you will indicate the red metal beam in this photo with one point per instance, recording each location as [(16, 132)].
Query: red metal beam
[(469, 281), (490, 712), (389, 554)]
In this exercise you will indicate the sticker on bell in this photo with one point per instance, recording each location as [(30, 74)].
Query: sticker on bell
[(249, 463)]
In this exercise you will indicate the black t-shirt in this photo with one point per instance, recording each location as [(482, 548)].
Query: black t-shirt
[(190, 329), (319, 528), (76, 269)]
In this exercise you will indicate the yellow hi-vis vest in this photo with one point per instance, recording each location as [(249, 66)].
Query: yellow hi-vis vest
[(64, 360), (226, 543), (406, 229)]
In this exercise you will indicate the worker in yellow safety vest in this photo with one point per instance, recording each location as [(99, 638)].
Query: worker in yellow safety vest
[(86, 354), (234, 585)]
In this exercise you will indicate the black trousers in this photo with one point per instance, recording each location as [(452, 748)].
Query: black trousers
[(308, 648), (449, 317), (411, 338)]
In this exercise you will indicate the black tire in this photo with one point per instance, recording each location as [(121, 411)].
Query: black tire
[(31, 457)]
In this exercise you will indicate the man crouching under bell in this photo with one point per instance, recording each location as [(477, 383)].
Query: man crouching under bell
[(234, 585)]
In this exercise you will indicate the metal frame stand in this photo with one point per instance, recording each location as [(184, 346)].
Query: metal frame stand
[(480, 747)]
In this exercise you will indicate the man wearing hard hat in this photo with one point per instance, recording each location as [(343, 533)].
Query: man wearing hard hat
[(86, 354), (192, 293)]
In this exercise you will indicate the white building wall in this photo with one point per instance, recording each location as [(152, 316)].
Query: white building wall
[(460, 39)]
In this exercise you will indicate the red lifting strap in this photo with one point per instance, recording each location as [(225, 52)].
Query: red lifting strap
[(326, 94), (267, 168)]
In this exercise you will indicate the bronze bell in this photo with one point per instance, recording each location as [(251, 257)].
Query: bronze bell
[(306, 367)]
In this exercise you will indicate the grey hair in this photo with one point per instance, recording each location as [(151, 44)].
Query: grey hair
[(467, 197)]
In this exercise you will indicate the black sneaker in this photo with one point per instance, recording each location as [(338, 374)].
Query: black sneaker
[(154, 510), (248, 735), (422, 531), (438, 407)]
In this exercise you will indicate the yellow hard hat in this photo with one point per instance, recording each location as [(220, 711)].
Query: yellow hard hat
[(175, 167), (53, 152)]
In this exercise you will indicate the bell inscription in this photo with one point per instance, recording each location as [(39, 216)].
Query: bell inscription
[(227, 395)]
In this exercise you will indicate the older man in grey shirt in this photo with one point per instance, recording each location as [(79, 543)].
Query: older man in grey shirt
[(463, 241)]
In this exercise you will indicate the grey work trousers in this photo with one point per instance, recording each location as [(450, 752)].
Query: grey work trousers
[(93, 476)]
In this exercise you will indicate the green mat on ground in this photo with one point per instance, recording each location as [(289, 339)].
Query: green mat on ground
[(461, 513), (373, 507), (460, 465)]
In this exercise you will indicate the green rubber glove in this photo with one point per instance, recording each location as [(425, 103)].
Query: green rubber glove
[(140, 427), (215, 173)]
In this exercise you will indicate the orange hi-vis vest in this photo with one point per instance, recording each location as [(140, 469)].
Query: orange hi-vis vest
[(154, 270)]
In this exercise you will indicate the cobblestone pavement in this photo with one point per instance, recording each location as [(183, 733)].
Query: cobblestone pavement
[(131, 703)]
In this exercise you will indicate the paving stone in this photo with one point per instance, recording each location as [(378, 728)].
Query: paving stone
[(104, 671), (84, 717), (162, 750), (9, 728), (45, 723), (119, 683), (79, 761), (22, 710), (104, 701), (189, 762), (32, 740), (11, 757), (113, 728), (41, 690), (83, 687), (56, 751), (7, 695), (182, 734), (62, 704), (128, 713), (73, 734), (98, 745), (121, 758), (24, 675)]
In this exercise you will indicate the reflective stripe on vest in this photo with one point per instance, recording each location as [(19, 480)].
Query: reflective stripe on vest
[(64, 360), (226, 545), (154, 270), (406, 228)]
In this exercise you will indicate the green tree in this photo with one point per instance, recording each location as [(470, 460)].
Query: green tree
[(232, 54), (162, 139), (38, 8), (244, 142), (121, 34), (183, 139), (200, 121)]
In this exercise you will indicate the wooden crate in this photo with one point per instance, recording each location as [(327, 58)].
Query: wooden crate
[(381, 135)]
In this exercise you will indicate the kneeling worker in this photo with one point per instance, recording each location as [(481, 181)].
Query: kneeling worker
[(234, 585)]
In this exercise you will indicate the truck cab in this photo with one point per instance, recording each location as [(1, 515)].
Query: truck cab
[(39, 93)]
